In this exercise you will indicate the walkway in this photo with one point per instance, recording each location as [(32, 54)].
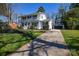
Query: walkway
[(50, 43)]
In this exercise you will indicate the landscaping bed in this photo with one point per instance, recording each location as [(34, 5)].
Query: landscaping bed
[(10, 42), (72, 39)]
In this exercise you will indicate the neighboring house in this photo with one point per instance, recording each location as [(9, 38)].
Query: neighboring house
[(36, 21)]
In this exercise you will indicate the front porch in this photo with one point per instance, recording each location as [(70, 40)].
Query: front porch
[(37, 25)]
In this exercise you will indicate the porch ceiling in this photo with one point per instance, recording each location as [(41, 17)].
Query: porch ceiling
[(35, 20), (4, 9)]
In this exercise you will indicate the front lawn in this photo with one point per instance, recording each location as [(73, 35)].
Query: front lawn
[(72, 39), (10, 42)]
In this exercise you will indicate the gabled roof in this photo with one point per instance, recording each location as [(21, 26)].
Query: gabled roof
[(34, 14)]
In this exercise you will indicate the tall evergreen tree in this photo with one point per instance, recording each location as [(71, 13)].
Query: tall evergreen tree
[(41, 9)]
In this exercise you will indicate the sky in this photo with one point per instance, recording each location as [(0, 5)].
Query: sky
[(28, 8)]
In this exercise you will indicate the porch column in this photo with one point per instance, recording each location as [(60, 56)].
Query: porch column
[(39, 25), (25, 26), (50, 24), (30, 24)]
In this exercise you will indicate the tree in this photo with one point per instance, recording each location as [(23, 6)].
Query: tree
[(10, 6), (41, 9), (6, 10), (74, 5), (62, 13), (72, 16)]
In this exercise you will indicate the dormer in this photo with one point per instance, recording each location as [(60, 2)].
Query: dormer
[(41, 16)]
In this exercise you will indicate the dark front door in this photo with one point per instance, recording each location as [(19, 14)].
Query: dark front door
[(33, 25), (45, 25)]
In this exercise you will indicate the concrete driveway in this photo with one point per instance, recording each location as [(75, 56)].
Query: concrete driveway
[(50, 43)]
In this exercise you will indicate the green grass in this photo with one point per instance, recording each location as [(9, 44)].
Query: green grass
[(72, 39), (10, 42)]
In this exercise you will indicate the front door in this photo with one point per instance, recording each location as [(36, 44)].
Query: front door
[(45, 25), (33, 25)]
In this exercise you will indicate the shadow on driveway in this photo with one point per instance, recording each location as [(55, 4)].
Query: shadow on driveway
[(39, 46)]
